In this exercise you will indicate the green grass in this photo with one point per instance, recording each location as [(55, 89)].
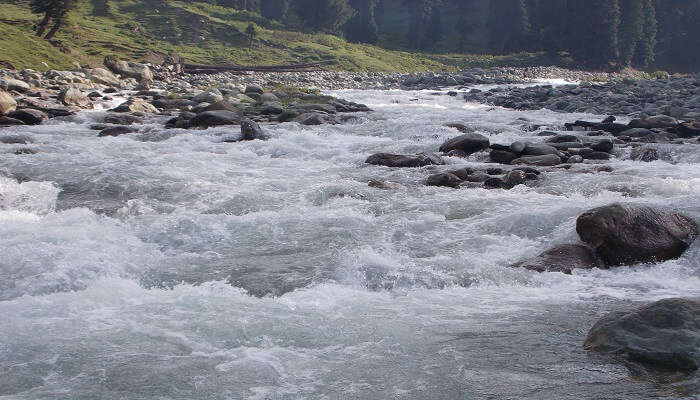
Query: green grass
[(207, 34)]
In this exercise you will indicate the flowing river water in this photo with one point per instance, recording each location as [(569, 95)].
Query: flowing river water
[(169, 264)]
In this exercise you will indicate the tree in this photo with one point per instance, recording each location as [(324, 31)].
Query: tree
[(323, 15), (645, 51), (508, 26), (548, 24), (362, 27), (592, 34), (54, 11), (631, 29), (252, 32), (274, 9)]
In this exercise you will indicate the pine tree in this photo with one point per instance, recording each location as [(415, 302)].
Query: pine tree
[(549, 24), (274, 9), (252, 32), (363, 26), (631, 29), (323, 15), (54, 11), (507, 25), (644, 53), (593, 31), (435, 30)]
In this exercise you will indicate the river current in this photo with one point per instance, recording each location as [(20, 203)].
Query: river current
[(170, 264)]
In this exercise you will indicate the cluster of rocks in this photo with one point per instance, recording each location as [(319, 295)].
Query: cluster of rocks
[(678, 97)]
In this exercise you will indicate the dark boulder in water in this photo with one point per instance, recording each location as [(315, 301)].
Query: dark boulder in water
[(664, 335), (604, 145), (469, 143), (688, 129), (561, 258), (206, 119), (445, 179), (28, 116), (501, 156), (644, 154), (252, 131), (404, 161), (659, 121), (627, 234), (116, 131)]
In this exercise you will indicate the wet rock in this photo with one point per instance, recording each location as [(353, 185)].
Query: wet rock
[(129, 69), (542, 161), (689, 129), (29, 116), (658, 121), (444, 179), (605, 145), (7, 121), (136, 105), (462, 173), (495, 183), (514, 178), (207, 119), (250, 130), (660, 336), (116, 131), (404, 161), (457, 153), (644, 154), (73, 97), (316, 118), (563, 139), (384, 185), (576, 159), (122, 119), (210, 96), (596, 155), (10, 84), (478, 176), (459, 126), (7, 103), (253, 89), (636, 132), (502, 157), (15, 139), (469, 143), (102, 76), (539, 150), (629, 234), (561, 258), (25, 151), (517, 147)]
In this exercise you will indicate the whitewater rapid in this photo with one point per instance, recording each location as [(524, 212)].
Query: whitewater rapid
[(170, 264)]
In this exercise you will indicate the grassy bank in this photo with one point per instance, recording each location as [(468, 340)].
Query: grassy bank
[(206, 34)]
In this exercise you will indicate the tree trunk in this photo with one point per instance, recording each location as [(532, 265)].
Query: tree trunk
[(41, 27), (56, 26)]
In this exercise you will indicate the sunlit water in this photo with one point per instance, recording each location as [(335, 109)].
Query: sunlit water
[(172, 265)]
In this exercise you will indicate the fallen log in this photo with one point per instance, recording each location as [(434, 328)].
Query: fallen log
[(212, 69)]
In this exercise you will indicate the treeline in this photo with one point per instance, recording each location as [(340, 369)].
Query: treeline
[(596, 33)]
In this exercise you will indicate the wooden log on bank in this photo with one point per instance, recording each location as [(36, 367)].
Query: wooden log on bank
[(213, 69)]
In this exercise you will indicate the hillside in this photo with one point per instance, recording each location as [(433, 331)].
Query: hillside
[(201, 33)]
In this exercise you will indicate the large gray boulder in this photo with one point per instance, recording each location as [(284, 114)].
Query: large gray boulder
[(624, 234), (657, 121), (542, 161), (74, 97), (102, 76), (129, 69), (404, 161), (561, 258), (250, 130), (664, 335), (7, 103), (210, 96), (469, 143), (206, 119), (135, 104), (14, 84)]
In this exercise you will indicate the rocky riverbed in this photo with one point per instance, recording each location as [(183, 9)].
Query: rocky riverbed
[(262, 236)]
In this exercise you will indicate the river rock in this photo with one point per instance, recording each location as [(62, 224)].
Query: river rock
[(661, 336), (250, 130), (658, 121), (501, 156), (116, 131), (7, 103), (206, 119), (136, 105), (29, 116), (404, 161), (596, 155), (253, 89), (445, 179), (74, 97), (210, 96), (629, 234), (561, 258), (689, 129), (604, 145), (563, 139), (121, 119), (9, 84), (469, 143), (517, 147), (102, 76), (539, 150), (541, 161), (316, 118), (129, 69), (7, 121), (644, 154), (514, 178)]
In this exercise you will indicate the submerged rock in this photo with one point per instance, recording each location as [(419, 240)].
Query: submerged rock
[(404, 161), (116, 131), (664, 335), (628, 234), (561, 258), (644, 154), (445, 179)]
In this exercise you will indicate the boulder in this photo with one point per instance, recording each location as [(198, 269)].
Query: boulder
[(206, 119), (604, 145), (514, 178), (7, 103), (9, 84), (121, 119), (459, 126), (29, 116), (563, 139), (501, 156), (74, 97), (404, 161), (469, 143), (596, 155), (517, 147), (539, 150), (102, 76), (445, 179), (129, 69), (644, 154), (116, 131), (253, 89), (250, 130), (210, 96), (561, 258), (316, 118), (660, 336), (541, 161), (629, 234), (658, 121), (7, 121), (135, 105), (636, 132), (689, 129)]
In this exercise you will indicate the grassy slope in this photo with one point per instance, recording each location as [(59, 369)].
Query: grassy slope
[(207, 34)]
